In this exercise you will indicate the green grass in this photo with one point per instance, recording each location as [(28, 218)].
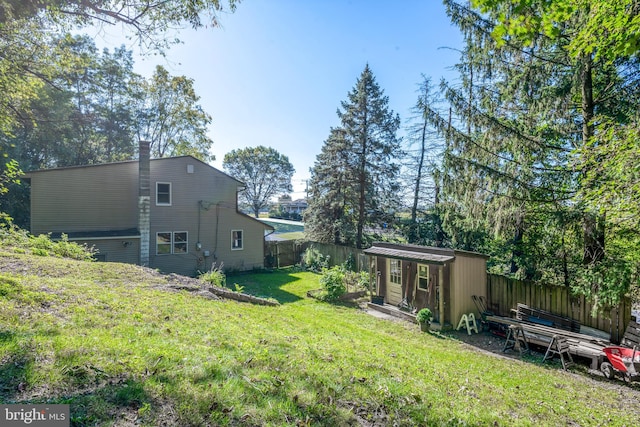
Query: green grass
[(294, 235), (115, 344)]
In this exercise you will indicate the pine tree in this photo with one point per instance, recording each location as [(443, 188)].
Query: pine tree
[(523, 115), (507, 173), (355, 178)]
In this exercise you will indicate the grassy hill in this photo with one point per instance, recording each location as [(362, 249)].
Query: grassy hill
[(126, 346)]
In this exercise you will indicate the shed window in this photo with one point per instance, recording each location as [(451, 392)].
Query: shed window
[(395, 271), (236, 240), (172, 242), (423, 277), (163, 193)]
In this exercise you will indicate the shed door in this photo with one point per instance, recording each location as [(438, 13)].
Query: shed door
[(394, 282)]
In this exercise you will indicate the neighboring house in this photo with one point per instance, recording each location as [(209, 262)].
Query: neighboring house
[(419, 276), (175, 214), (292, 206)]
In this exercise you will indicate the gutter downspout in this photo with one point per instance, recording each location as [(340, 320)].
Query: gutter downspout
[(441, 295), (144, 201)]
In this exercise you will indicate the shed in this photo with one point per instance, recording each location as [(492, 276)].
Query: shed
[(414, 277)]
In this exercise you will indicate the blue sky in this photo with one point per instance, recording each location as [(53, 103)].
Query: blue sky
[(276, 71)]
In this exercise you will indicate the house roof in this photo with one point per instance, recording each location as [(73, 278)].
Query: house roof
[(99, 234), (417, 253), (28, 175)]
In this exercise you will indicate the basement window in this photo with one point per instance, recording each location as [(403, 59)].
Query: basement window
[(168, 242), (163, 194)]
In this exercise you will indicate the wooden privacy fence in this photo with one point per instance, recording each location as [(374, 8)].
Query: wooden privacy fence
[(503, 294), (289, 252)]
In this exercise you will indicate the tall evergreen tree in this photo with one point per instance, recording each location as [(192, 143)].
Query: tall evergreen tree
[(524, 112), (328, 217), (369, 144)]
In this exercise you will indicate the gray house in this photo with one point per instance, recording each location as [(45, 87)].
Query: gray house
[(175, 214)]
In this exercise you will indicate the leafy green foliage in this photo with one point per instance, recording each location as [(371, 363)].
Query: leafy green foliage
[(609, 29), (19, 240), (314, 260), (264, 171), (215, 276), (88, 116), (169, 116), (424, 315), (539, 148), (605, 281), (332, 282)]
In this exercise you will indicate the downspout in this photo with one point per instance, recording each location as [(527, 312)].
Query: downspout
[(144, 201)]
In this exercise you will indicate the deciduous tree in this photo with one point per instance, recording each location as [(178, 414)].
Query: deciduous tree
[(265, 173)]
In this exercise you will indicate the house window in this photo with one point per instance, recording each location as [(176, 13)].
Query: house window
[(163, 193), (423, 277), (236, 240), (180, 242), (395, 271), (176, 242)]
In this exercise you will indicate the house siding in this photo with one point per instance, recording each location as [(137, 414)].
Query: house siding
[(105, 197), (120, 249)]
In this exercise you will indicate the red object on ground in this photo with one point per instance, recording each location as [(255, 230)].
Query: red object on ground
[(622, 358)]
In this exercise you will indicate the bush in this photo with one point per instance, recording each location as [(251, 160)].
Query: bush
[(215, 276), (313, 260), (332, 282), (424, 316), (21, 242), (356, 281)]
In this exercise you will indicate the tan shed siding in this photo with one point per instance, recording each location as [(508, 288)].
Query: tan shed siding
[(469, 277), (111, 188)]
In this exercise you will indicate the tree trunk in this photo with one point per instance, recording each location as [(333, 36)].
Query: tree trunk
[(594, 229), (413, 232), (362, 180)]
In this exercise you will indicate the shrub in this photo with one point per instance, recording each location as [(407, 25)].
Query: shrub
[(356, 281), (424, 316), (332, 282), (350, 263), (313, 260), (215, 276), (21, 241)]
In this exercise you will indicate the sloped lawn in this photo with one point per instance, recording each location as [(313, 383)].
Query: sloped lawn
[(123, 347)]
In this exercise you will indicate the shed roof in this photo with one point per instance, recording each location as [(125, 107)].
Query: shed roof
[(412, 255), (419, 253)]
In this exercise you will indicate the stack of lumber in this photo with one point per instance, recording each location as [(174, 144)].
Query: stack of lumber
[(579, 344), (545, 318)]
